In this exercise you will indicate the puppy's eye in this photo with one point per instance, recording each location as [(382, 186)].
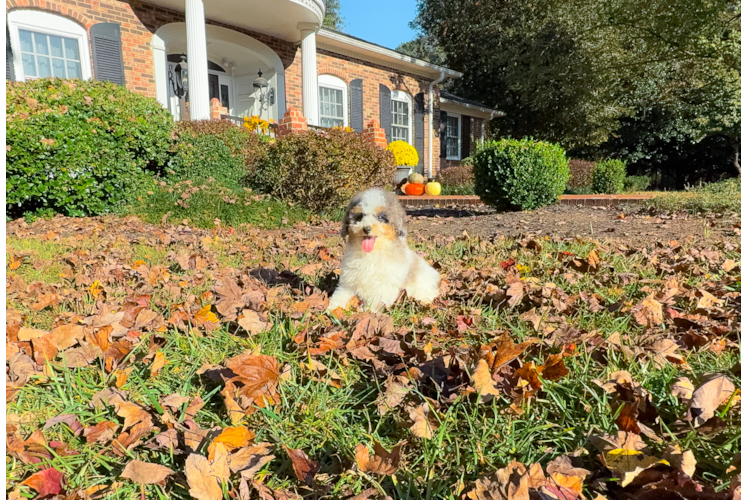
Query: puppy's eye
[(383, 218), (357, 217)]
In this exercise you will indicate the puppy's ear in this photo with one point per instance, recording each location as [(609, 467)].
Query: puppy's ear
[(398, 217), (347, 218)]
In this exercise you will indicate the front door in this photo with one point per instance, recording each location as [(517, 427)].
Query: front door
[(219, 86)]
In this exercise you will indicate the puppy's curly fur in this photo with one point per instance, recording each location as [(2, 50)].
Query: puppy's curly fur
[(377, 263)]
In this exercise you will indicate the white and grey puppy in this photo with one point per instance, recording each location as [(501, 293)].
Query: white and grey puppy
[(377, 263)]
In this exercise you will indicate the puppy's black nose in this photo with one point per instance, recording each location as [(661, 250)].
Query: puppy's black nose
[(367, 229)]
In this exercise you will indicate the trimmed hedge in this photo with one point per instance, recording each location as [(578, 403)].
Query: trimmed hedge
[(608, 177), (457, 180), (322, 170), (215, 149), (520, 174), (80, 147), (635, 183)]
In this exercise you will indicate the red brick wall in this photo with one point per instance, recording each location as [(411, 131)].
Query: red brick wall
[(139, 20), (137, 55)]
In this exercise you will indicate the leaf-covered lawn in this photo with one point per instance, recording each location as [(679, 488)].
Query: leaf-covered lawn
[(171, 362)]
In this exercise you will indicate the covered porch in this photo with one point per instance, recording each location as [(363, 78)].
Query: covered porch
[(203, 58)]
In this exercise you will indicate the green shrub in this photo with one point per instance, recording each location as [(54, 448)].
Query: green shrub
[(635, 183), (215, 149), (80, 147), (717, 197), (520, 174), (322, 170), (581, 175), (457, 180), (608, 177), (209, 203)]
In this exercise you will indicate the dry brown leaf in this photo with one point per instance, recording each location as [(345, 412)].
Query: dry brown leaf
[(421, 427), (510, 483), (251, 459), (159, 361), (251, 322), (483, 382), (648, 312), (625, 454), (231, 438), (66, 336), (381, 462), (685, 461), (304, 468), (103, 432), (505, 350), (202, 478), (715, 390), (146, 473), (682, 388)]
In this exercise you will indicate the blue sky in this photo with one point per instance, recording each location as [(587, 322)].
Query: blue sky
[(379, 21)]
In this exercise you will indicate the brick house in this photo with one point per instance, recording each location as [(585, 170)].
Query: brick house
[(223, 48)]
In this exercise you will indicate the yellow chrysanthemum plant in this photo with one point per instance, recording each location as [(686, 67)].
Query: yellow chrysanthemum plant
[(405, 154), (257, 124)]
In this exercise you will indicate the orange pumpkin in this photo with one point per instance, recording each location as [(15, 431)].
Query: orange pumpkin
[(414, 189)]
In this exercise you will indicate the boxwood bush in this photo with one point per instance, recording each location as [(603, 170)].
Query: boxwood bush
[(635, 183), (457, 180), (215, 149), (608, 177), (80, 147), (520, 174), (322, 170)]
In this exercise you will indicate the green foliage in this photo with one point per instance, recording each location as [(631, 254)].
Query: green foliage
[(215, 149), (520, 174), (568, 71), (208, 204), (80, 147), (422, 48), (581, 175), (717, 197), (608, 177), (333, 19), (322, 170), (635, 183), (457, 180)]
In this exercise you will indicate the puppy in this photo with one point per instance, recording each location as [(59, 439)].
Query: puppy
[(377, 263)]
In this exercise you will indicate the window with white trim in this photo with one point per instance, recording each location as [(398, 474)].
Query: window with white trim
[(46, 44), (333, 101), (453, 133), (401, 120)]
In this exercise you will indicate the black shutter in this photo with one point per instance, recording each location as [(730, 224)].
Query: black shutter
[(385, 110), (106, 45), (8, 57), (357, 104), (443, 133), (465, 137), (418, 128)]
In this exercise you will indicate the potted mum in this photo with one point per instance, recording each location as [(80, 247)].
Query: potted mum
[(406, 157)]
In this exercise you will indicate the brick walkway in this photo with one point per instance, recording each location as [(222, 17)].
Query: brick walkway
[(566, 199)]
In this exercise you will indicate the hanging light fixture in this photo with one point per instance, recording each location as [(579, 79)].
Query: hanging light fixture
[(266, 96), (178, 78)]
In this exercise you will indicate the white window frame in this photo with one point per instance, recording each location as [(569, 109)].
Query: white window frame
[(335, 83), (400, 96), (49, 24), (459, 135)]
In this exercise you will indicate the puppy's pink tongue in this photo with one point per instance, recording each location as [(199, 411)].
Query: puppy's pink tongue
[(368, 243)]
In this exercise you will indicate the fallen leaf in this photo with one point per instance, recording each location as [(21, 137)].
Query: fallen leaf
[(510, 483), (251, 322), (304, 468), (648, 312), (46, 482), (146, 473), (682, 388), (625, 454), (685, 461), (715, 390), (159, 361), (201, 478), (67, 418), (483, 382), (421, 427), (231, 438), (382, 462)]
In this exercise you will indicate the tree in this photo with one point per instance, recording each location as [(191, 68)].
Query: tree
[(424, 49), (333, 19), (570, 71)]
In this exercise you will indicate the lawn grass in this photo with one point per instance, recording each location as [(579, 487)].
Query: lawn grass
[(717, 197), (470, 439)]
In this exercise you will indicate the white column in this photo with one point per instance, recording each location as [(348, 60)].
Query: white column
[(197, 60), (309, 92)]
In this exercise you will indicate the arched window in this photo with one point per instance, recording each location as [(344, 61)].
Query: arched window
[(46, 44), (333, 101), (402, 122)]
